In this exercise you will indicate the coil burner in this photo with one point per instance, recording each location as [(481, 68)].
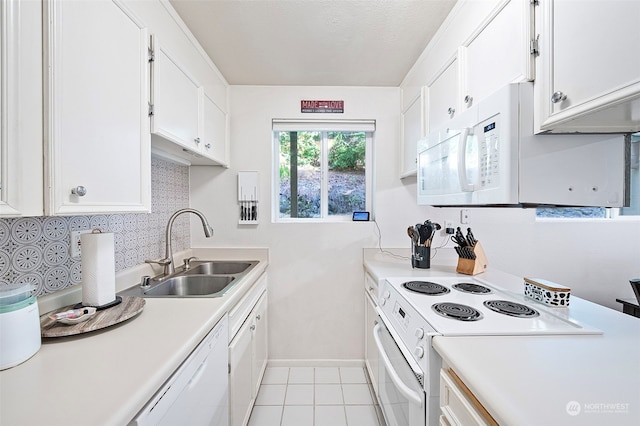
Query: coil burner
[(457, 311), (511, 308), (472, 288), (426, 287)]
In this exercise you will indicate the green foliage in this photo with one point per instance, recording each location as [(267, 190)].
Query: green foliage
[(308, 149), (348, 150)]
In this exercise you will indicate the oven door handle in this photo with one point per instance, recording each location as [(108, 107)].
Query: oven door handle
[(402, 387)]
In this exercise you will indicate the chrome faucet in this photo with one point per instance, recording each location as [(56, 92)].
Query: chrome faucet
[(167, 262)]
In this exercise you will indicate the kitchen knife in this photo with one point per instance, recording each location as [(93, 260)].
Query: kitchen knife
[(470, 238), (459, 238)]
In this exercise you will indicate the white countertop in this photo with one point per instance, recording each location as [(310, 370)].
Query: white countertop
[(105, 377), (533, 380)]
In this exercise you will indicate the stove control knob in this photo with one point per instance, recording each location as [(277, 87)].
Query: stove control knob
[(419, 333), (385, 296), (419, 352)]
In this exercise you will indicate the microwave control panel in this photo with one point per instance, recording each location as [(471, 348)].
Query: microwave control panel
[(489, 152)]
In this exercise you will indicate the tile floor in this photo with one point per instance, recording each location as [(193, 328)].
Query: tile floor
[(315, 396)]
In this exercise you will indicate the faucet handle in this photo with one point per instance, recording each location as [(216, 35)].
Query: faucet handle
[(187, 262)]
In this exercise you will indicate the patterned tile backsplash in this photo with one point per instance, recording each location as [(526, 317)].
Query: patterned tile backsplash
[(36, 249)]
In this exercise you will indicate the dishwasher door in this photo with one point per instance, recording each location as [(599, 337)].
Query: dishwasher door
[(198, 392)]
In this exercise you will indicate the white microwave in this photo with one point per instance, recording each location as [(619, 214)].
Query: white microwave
[(488, 155)]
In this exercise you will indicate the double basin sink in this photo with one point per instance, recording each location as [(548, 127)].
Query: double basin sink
[(205, 278)]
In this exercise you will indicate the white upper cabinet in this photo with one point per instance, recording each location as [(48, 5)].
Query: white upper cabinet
[(97, 126), (496, 54), (588, 71), (413, 127), (213, 136), (185, 122), (175, 100), (21, 179), (481, 47), (443, 94)]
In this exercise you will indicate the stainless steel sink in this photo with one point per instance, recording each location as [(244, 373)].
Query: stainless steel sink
[(192, 285), (204, 278), (217, 267)]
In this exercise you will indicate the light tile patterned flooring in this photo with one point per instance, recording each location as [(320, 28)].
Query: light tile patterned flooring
[(315, 396)]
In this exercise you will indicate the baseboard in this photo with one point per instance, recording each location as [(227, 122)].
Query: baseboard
[(316, 363)]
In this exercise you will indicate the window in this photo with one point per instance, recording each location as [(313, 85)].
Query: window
[(601, 212), (322, 170)]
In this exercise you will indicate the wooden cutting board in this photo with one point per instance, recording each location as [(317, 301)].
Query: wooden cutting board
[(128, 308)]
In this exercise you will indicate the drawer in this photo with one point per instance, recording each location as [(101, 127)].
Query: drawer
[(371, 287), (241, 311), (459, 406)]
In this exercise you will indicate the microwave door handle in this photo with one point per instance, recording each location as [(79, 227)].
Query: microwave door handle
[(402, 387), (462, 161)]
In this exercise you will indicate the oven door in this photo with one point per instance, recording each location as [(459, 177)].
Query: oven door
[(401, 395)]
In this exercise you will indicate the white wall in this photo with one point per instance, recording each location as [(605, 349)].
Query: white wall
[(315, 275), (595, 258)]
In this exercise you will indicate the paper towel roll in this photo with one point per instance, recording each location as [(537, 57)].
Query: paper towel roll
[(98, 269)]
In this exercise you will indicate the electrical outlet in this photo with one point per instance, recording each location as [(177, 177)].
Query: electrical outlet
[(448, 228), (464, 216), (74, 246)]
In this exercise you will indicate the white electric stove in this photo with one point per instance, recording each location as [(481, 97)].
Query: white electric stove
[(467, 306), (413, 310)]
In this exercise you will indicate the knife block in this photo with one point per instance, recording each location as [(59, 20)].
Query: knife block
[(473, 266)]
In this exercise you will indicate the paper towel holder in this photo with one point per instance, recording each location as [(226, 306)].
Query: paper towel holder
[(111, 304)]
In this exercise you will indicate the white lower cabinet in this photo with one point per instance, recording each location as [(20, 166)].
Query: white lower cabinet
[(248, 352), (241, 391), (370, 318), (458, 405)]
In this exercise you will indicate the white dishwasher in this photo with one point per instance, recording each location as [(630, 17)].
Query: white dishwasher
[(198, 392)]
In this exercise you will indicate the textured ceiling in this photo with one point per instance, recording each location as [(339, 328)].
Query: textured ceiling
[(313, 42)]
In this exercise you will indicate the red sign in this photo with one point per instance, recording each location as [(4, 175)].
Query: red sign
[(322, 106)]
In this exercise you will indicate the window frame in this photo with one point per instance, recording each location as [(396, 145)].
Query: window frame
[(323, 127)]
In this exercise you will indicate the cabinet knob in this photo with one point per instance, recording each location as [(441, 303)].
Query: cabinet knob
[(558, 97), (451, 111), (258, 317), (253, 327), (80, 191), (208, 146), (468, 99), (197, 140)]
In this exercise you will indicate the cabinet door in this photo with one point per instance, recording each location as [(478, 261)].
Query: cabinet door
[(590, 56), (260, 349), (98, 128), (240, 376), (412, 131), (21, 171), (371, 351), (498, 54), (443, 95), (214, 131), (175, 100)]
